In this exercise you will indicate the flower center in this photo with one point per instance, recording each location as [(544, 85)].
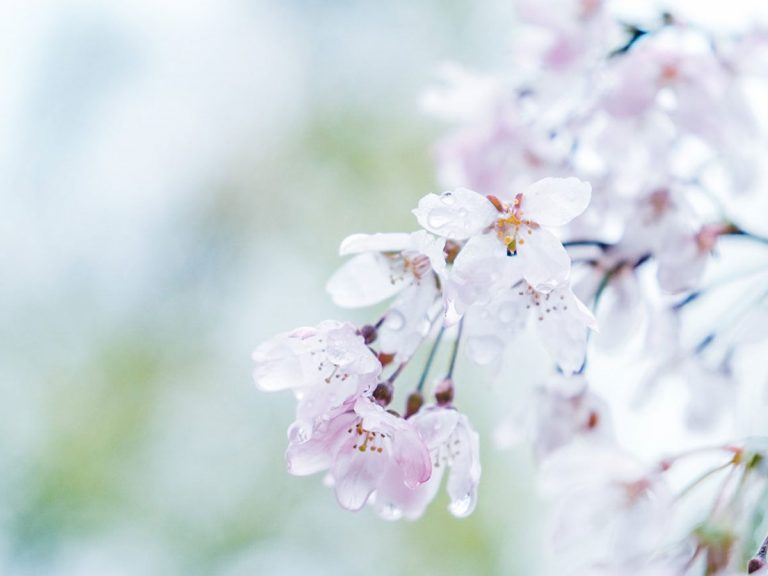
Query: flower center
[(544, 304), (367, 440), (509, 223), (447, 452)]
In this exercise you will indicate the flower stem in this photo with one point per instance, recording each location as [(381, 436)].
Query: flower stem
[(698, 480), (430, 359), (455, 352), (748, 235)]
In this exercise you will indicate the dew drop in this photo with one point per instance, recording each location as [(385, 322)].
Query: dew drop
[(391, 512), (339, 354), (462, 506), (438, 218), (447, 199), (395, 320)]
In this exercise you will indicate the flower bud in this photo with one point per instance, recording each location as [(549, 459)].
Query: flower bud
[(413, 404), (369, 333), (444, 392), (754, 565), (382, 394)]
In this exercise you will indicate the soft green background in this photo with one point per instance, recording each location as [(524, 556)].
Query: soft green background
[(176, 180)]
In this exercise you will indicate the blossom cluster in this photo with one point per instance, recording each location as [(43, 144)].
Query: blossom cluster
[(589, 187), (475, 256)]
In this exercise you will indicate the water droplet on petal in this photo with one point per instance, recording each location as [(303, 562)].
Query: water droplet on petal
[(395, 320), (339, 354), (462, 506), (299, 433), (391, 512), (438, 219)]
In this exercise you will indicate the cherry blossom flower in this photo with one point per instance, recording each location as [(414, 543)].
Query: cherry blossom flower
[(452, 443), (520, 228), (681, 265), (365, 449), (566, 409), (387, 265), (325, 366), (609, 510), (561, 318)]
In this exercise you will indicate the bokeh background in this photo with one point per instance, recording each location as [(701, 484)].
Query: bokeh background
[(175, 178)]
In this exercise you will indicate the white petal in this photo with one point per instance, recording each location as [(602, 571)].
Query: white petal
[(435, 425), (563, 323), (457, 214), (556, 201), (408, 319), (544, 260), (364, 280), (432, 247), (465, 470), (278, 366), (357, 243), (481, 268)]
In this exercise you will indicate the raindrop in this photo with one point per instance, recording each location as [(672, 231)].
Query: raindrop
[(395, 320), (462, 506), (438, 218), (339, 354), (391, 512), (447, 198)]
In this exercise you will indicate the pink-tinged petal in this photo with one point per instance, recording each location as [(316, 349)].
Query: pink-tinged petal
[(465, 470), (394, 500), (545, 263), (412, 457), (457, 214), (304, 457), (556, 201), (277, 365), (357, 243), (364, 280), (356, 473)]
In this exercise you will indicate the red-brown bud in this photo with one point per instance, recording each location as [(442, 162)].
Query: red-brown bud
[(413, 404)]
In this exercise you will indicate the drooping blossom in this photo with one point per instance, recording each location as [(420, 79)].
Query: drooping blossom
[(609, 510), (453, 444), (365, 449), (563, 322), (566, 409), (325, 366), (405, 266)]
